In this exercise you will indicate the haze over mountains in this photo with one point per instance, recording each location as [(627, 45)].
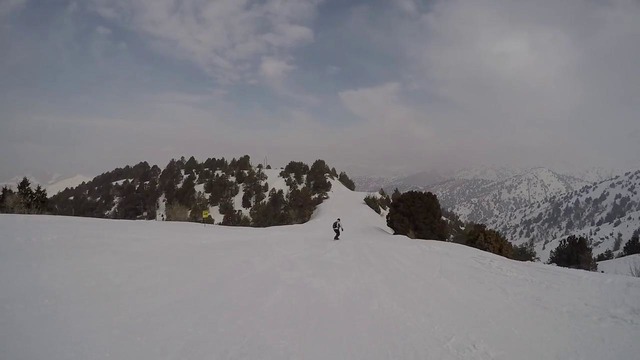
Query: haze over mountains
[(538, 204)]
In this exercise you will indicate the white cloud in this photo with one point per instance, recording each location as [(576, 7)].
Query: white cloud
[(517, 82), (274, 69), (226, 38)]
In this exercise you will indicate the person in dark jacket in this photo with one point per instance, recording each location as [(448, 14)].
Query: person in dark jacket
[(337, 226)]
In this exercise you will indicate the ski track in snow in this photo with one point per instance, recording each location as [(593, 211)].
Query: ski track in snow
[(73, 288)]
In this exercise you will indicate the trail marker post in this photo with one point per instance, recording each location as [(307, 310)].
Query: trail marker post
[(205, 215)]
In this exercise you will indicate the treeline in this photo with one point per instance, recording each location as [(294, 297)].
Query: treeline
[(25, 200), (185, 188), (418, 215)]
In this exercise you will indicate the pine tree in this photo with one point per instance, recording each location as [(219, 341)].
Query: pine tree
[(632, 246), (25, 195), (479, 237), (40, 200), (396, 194), (344, 179), (316, 178), (573, 252), (5, 198), (418, 216)]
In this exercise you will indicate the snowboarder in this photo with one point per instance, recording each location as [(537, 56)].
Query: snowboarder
[(337, 227)]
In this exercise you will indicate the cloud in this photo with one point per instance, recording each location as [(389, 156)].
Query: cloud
[(273, 69), (103, 30), (225, 38), (514, 82), (380, 106), (8, 7)]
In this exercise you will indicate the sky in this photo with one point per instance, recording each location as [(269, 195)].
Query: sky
[(372, 87)]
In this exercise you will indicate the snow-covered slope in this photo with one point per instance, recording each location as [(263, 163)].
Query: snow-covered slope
[(608, 213), (628, 265), (78, 288)]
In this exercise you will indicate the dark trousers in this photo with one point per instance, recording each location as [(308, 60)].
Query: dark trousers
[(337, 234)]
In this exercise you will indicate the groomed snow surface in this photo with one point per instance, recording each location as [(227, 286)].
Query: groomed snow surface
[(73, 288)]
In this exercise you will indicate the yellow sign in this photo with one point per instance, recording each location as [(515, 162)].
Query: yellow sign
[(205, 214)]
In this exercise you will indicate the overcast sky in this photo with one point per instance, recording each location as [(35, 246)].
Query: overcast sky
[(370, 86)]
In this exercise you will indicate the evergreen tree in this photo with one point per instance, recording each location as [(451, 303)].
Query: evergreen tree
[(226, 206), (272, 212), (40, 200), (5, 198), (200, 204), (396, 194), (573, 252), (316, 178), (525, 252), (344, 179), (300, 205), (236, 218), (191, 166), (418, 216), (632, 246), (244, 163), (297, 169), (479, 237), (187, 192), (372, 202), (25, 195), (607, 255)]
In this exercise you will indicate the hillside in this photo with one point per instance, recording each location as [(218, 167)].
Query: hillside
[(607, 212), (627, 265), (104, 289), (478, 195), (482, 200), (232, 192)]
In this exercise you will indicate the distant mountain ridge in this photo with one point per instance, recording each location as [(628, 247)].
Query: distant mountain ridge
[(541, 205), (53, 186), (478, 194), (480, 200), (607, 212)]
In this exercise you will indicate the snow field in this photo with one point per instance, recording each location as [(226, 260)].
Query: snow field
[(75, 288)]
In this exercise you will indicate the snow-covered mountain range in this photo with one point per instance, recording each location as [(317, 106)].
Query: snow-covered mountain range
[(542, 205), (607, 212), (481, 200)]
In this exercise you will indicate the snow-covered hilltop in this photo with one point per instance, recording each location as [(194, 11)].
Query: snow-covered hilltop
[(104, 289), (216, 190)]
